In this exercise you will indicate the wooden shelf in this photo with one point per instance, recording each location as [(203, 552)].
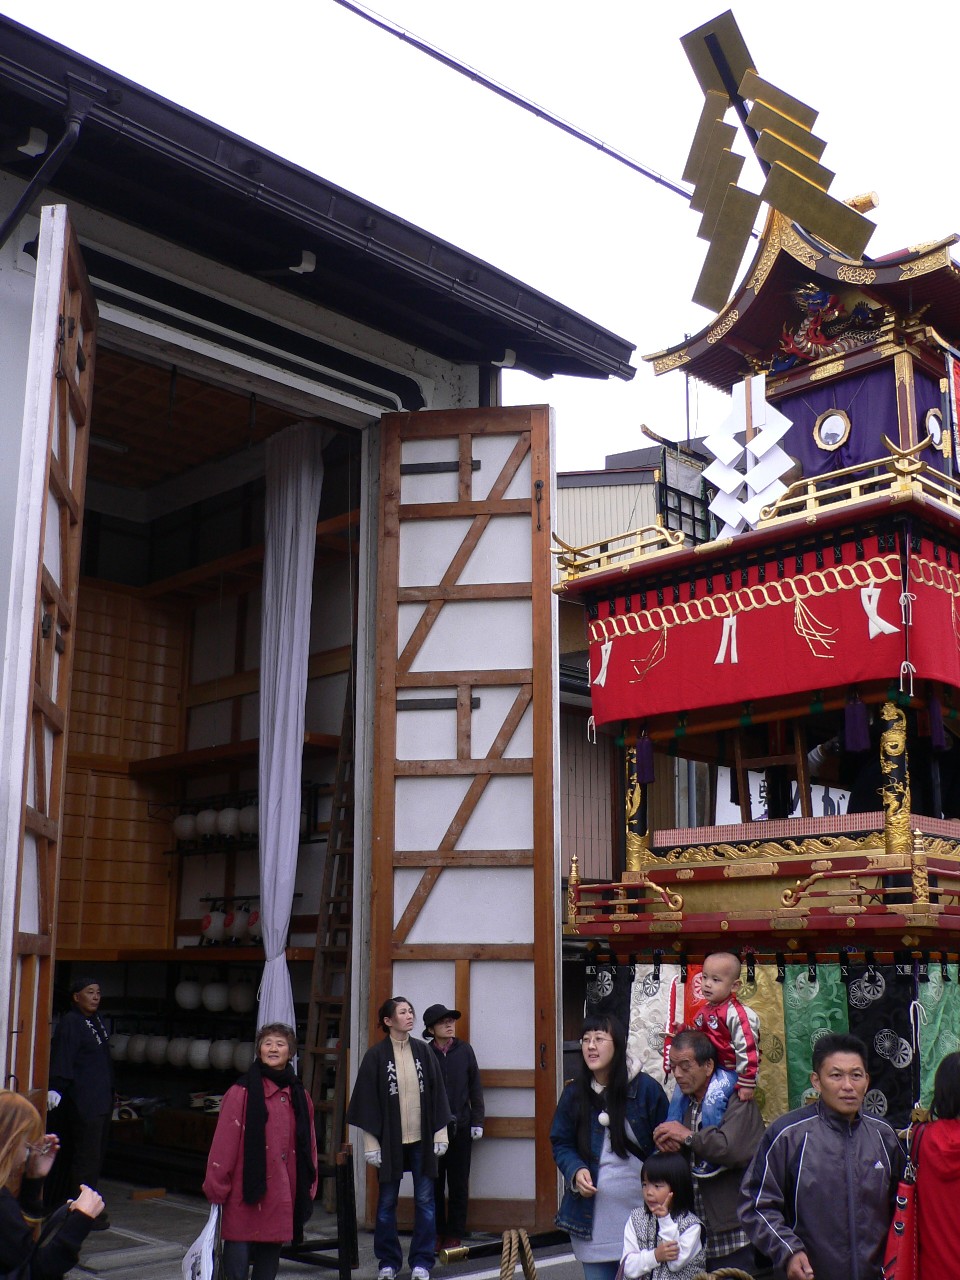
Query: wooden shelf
[(213, 759), (241, 571), (185, 955)]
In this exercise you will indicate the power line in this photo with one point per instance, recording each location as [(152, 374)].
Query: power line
[(502, 91)]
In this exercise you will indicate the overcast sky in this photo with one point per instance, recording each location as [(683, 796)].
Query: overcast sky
[(322, 87)]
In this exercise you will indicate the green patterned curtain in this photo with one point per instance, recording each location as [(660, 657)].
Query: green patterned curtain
[(811, 1009), (939, 1034)]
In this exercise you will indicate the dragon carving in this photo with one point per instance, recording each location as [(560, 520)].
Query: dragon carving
[(827, 328)]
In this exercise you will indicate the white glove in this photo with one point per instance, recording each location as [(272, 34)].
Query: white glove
[(440, 1148), (476, 1132), (373, 1157), (53, 1099)]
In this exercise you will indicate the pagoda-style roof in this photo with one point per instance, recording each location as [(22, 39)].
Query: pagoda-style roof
[(744, 336)]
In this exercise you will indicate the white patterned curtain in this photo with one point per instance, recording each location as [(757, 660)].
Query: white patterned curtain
[(294, 465)]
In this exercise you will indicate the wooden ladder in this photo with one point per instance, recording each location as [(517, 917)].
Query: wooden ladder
[(325, 1063)]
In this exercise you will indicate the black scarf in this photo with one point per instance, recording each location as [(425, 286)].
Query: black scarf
[(255, 1140)]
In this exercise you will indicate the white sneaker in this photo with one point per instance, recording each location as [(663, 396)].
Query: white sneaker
[(419, 1273), (386, 1273)]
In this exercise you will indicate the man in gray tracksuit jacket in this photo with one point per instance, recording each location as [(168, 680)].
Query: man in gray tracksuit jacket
[(819, 1195)]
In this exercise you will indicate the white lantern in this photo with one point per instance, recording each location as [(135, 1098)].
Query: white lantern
[(221, 1054), (187, 994), (207, 822), (137, 1048), (249, 820), (118, 1046), (157, 1049), (177, 1051), (244, 1055), (228, 823), (237, 924), (215, 996), (198, 1054), (185, 826), (254, 927), (213, 926), (242, 997)]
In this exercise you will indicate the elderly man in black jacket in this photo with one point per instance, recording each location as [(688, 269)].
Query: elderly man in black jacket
[(461, 1079), (730, 1146)]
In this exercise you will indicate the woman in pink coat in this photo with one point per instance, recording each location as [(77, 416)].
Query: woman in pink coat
[(262, 1166)]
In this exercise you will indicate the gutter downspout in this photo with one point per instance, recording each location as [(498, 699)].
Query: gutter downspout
[(80, 97)]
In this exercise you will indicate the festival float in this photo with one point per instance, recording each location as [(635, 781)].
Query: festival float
[(796, 678)]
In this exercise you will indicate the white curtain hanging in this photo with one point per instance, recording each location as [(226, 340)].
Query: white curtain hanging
[(294, 465)]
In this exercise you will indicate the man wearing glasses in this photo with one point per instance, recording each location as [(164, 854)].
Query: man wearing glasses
[(729, 1146), (819, 1195)]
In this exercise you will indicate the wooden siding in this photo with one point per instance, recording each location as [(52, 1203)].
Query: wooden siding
[(587, 790), (592, 513), (117, 888)]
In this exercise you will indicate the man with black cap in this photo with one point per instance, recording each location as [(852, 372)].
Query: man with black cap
[(81, 1090), (461, 1079)]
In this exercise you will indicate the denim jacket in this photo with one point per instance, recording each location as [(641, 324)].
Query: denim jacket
[(646, 1108)]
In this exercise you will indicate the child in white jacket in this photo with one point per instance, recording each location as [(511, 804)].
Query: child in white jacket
[(662, 1239)]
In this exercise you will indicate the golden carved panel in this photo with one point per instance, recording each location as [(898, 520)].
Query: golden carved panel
[(725, 325), (673, 361), (798, 248), (752, 869), (921, 266), (856, 275), (827, 370)]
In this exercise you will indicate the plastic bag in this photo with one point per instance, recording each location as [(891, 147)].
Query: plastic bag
[(200, 1260)]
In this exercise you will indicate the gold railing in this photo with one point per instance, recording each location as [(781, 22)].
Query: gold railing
[(616, 551)]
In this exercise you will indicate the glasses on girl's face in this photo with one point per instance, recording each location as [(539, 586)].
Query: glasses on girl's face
[(595, 1042)]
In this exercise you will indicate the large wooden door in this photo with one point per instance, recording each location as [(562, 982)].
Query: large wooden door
[(41, 618), (464, 866)]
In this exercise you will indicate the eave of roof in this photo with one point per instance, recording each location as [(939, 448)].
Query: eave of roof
[(721, 353), (148, 162)]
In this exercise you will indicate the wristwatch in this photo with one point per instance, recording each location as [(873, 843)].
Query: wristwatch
[(688, 1141)]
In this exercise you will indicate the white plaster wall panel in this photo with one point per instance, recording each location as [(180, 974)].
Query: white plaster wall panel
[(426, 735), (519, 486), (423, 982), (488, 718), (48, 741), (323, 706), (477, 636), (214, 639), (503, 1169), (408, 615), (210, 725), (509, 1102), (425, 807), (30, 788), (331, 613), (501, 1007), (51, 540), (405, 881), (29, 887), (500, 907), (251, 633), (434, 486), (426, 548), (492, 452), (503, 816), (502, 553)]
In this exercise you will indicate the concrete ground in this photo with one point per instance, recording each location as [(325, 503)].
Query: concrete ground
[(148, 1237)]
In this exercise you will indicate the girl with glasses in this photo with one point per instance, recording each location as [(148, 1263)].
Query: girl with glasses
[(602, 1133)]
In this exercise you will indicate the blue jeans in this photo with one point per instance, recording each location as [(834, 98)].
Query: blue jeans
[(386, 1242), (600, 1270)]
